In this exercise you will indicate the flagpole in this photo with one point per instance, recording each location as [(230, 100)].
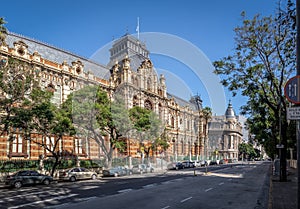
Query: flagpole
[(138, 28)]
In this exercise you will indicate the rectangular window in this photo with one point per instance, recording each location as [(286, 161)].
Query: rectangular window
[(17, 144), (79, 146), (50, 143)]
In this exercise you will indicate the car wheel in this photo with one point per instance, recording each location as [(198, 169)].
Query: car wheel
[(72, 178), (18, 184), (46, 182), (116, 174), (130, 172), (94, 176), (176, 168)]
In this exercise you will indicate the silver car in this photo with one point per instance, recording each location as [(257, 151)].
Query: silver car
[(142, 168), (77, 173)]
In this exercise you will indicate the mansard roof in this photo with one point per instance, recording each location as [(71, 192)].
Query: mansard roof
[(181, 102), (57, 55)]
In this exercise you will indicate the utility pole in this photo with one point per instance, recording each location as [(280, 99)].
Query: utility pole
[(298, 73)]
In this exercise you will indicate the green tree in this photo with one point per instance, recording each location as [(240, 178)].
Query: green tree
[(207, 115), (263, 60), (26, 107), (97, 117), (16, 82), (148, 129), (3, 30), (247, 151)]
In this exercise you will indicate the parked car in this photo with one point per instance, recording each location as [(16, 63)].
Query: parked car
[(200, 163), (175, 166), (77, 173), (188, 164), (142, 168), (117, 171), (27, 177), (213, 162)]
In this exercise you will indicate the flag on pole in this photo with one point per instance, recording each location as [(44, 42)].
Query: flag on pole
[(138, 27)]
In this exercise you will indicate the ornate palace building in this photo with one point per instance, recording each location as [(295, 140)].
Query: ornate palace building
[(129, 70)]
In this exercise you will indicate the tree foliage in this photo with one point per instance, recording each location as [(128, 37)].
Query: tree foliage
[(247, 151), (27, 108), (3, 30), (97, 117), (149, 129), (262, 62)]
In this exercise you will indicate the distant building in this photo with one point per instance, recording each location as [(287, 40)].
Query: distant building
[(224, 135)]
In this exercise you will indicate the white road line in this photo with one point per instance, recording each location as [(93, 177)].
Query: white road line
[(186, 199), (221, 183), (88, 187), (208, 189), (124, 190), (166, 207), (149, 186), (35, 193), (41, 201)]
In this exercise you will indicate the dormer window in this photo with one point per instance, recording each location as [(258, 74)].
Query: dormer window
[(21, 51)]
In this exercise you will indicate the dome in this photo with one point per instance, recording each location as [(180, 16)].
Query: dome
[(230, 112)]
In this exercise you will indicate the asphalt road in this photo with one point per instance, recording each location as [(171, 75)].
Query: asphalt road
[(238, 186)]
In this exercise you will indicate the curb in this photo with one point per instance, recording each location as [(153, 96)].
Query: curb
[(270, 203)]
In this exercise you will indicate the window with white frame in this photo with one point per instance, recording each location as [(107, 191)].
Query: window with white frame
[(79, 146), (50, 141), (17, 144)]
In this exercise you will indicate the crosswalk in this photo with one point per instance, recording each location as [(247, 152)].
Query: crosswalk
[(39, 197)]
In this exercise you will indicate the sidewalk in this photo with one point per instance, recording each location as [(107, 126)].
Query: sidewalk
[(283, 195)]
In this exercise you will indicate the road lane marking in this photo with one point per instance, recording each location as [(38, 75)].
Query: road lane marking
[(208, 189), (124, 190), (166, 207), (221, 183), (186, 199), (88, 187), (35, 193), (41, 201), (149, 186)]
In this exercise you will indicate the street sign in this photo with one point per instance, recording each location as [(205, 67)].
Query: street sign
[(292, 89), (279, 146), (293, 113)]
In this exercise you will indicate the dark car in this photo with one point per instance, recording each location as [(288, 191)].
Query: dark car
[(77, 173), (175, 166), (117, 171), (188, 164), (27, 177)]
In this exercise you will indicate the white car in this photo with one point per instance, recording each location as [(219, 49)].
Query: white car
[(77, 173)]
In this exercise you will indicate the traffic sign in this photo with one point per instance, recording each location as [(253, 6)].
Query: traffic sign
[(292, 89), (293, 113)]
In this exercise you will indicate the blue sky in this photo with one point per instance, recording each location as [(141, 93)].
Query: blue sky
[(83, 27)]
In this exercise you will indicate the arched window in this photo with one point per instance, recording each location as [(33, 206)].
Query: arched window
[(160, 111), (148, 105), (135, 81), (135, 101), (51, 88), (149, 84), (172, 122)]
